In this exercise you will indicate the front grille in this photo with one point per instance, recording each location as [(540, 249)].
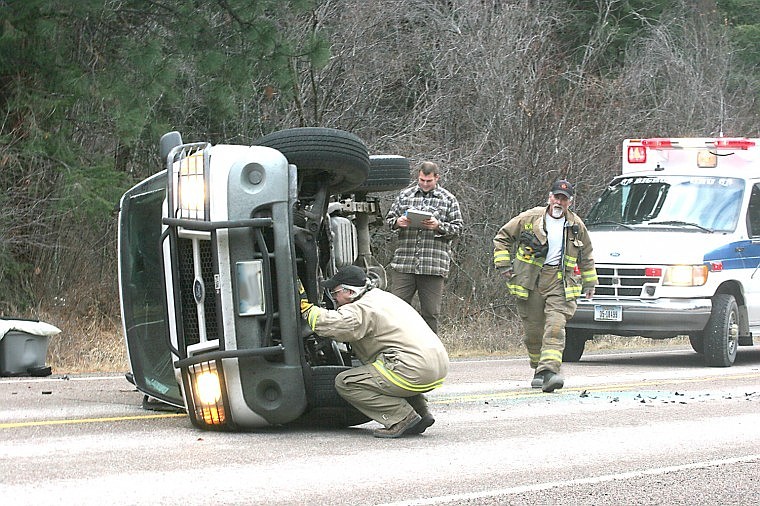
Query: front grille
[(189, 317), (623, 282)]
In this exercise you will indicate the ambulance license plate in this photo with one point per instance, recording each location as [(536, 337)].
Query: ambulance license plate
[(608, 313)]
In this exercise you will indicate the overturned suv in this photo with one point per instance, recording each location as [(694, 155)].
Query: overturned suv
[(211, 250)]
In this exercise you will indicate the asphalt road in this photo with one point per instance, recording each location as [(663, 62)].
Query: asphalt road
[(628, 428)]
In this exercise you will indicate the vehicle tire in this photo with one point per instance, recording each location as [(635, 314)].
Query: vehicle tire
[(575, 343), (323, 153), (327, 408), (386, 173), (697, 343), (378, 276), (721, 334)]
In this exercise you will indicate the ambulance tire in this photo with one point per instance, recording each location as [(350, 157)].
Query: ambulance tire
[(320, 154), (386, 173), (721, 334), (575, 344), (327, 408)]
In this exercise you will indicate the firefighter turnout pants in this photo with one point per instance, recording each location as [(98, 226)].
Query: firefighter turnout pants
[(544, 315), (374, 395)]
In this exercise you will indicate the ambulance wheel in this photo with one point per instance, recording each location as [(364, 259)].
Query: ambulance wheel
[(323, 154), (721, 334), (575, 343), (386, 173)]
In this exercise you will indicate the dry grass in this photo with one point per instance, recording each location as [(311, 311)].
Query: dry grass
[(85, 344), (493, 335), (487, 335), (613, 343)]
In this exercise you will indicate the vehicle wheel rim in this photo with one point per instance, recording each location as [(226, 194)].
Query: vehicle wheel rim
[(733, 334)]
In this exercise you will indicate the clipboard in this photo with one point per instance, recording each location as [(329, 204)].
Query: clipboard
[(416, 217)]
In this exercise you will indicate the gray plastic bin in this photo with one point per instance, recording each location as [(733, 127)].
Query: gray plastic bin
[(22, 353), (24, 347)]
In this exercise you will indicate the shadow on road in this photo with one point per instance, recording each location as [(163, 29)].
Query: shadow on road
[(747, 355)]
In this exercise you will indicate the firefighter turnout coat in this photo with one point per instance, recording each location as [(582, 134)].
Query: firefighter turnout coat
[(388, 333), (520, 246)]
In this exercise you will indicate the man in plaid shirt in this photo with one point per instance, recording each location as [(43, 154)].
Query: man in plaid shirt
[(421, 261)]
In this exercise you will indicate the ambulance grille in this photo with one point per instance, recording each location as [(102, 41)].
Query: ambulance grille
[(622, 282)]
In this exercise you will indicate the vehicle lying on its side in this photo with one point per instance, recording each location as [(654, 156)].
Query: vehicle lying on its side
[(210, 253)]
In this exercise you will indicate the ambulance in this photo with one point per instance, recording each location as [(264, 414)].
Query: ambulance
[(676, 241)]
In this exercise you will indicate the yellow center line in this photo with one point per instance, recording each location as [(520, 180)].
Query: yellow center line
[(40, 423)]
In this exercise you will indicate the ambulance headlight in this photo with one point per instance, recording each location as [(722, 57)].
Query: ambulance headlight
[(685, 275)]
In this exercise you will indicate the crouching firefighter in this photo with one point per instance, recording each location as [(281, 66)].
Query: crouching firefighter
[(546, 256), (402, 358)]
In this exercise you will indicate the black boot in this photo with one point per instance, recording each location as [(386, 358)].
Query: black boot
[(419, 403), (552, 381)]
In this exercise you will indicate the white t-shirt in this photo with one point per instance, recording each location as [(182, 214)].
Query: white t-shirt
[(554, 232)]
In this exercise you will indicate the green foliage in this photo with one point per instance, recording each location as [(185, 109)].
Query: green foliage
[(743, 20), (740, 12), (88, 194), (320, 51), (746, 40), (598, 33)]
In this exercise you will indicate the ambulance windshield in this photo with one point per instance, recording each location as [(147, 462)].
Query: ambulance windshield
[(697, 203)]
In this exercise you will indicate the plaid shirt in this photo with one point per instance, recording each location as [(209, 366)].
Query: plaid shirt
[(422, 251)]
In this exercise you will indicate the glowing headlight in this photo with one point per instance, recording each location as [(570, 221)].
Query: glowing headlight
[(207, 400), (685, 275), (208, 387), (191, 187)]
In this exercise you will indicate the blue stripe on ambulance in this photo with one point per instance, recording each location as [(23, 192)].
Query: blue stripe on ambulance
[(735, 255)]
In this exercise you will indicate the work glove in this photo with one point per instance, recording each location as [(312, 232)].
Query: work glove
[(305, 304)]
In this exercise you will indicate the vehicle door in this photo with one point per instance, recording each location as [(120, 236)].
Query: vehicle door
[(751, 257)]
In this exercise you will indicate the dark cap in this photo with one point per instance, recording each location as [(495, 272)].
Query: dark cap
[(350, 275), (564, 187)]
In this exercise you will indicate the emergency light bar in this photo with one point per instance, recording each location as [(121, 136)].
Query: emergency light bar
[(660, 143), (637, 151), (728, 143), (719, 143)]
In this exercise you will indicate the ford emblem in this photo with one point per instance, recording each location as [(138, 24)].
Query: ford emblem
[(615, 254), (198, 290)]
